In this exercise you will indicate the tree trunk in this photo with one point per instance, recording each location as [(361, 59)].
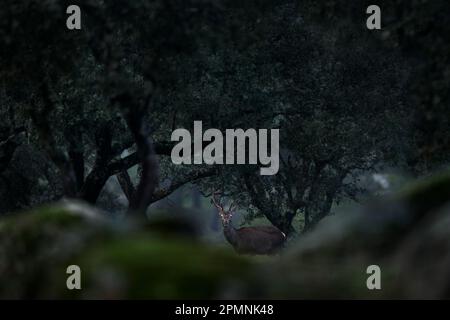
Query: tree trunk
[(150, 166), (94, 184), (126, 185)]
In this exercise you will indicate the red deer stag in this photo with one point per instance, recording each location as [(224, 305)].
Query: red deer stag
[(249, 240)]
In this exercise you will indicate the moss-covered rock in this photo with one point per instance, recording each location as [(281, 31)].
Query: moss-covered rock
[(146, 267), (406, 234), (166, 259), (33, 242), (116, 262)]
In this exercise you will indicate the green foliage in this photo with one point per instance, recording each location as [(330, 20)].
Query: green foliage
[(347, 101), (419, 30), (329, 94)]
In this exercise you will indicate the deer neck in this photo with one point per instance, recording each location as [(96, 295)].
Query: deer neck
[(230, 233)]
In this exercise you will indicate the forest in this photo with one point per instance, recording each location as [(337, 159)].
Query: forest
[(87, 176)]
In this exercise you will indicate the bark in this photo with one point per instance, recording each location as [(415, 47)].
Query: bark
[(318, 206), (100, 173), (41, 122), (126, 184), (77, 159), (94, 183), (266, 207), (76, 155), (150, 167), (98, 176)]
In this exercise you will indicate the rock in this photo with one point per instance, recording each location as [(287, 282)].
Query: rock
[(404, 234), (117, 261)]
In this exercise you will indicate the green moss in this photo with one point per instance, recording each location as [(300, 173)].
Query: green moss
[(39, 245), (149, 267), (34, 243), (44, 215)]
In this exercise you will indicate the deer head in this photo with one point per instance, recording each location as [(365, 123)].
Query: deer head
[(225, 215)]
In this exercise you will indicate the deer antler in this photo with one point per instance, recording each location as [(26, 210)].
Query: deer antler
[(218, 204), (232, 207)]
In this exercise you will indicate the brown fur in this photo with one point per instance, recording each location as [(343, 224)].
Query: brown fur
[(256, 240), (249, 240)]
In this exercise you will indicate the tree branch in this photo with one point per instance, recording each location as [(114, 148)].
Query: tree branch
[(99, 174), (134, 116), (41, 122), (115, 167), (76, 155), (191, 177), (126, 184)]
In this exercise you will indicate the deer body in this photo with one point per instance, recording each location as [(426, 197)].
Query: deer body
[(255, 240), (250, 240)]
